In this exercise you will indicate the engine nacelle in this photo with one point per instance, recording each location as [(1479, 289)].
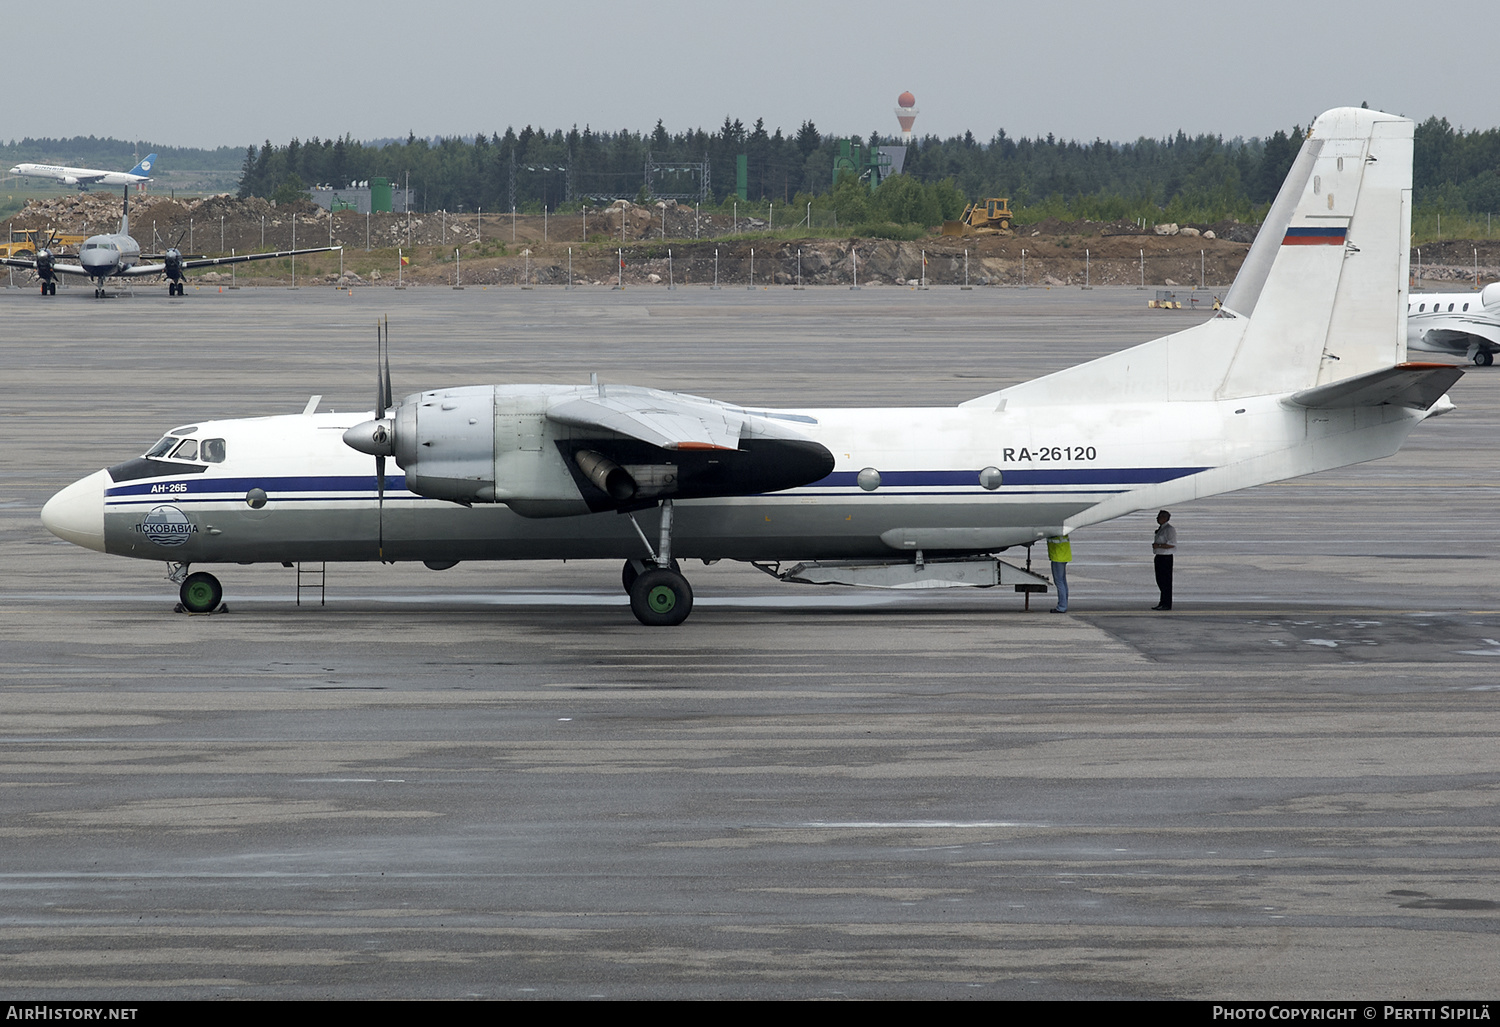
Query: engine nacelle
[(1489, 298), (496, 444), (485, 444)]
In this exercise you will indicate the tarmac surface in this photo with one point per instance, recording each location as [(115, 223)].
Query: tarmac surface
[(492, 782)]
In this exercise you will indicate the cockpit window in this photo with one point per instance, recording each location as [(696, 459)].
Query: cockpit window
[(212, 451), (187, 451), (162, 448)]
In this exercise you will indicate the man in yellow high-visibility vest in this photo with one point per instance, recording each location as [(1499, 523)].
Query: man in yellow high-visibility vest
[(1060, 552)]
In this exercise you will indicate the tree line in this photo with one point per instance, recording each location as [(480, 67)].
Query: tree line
[(1181, 177)]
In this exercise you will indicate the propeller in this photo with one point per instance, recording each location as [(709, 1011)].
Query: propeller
[(173, 258), (44, 255), (376, 436)]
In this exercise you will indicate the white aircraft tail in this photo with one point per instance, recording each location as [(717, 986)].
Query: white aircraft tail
[(1321, 296)]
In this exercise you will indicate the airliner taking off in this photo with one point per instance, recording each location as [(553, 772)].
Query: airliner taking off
[(85, 177), (1303, 369)]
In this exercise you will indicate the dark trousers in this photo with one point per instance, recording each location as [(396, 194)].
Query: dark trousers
[(1164, 580)]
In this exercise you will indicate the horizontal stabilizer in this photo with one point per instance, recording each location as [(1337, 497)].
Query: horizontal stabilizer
[(1417, 386)]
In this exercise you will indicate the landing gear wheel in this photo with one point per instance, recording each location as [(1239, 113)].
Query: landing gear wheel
[(201, 593), (661, 598), (629, 572), (174, 288), (1484, 359)]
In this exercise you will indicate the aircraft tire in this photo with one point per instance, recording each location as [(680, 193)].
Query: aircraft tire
[(628, 573), (1484, 359), (201, 593), (661, 598)]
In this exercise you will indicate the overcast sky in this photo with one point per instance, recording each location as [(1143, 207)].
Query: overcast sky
[(221, 75)]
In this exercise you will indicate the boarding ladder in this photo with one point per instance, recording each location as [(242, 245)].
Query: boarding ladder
[(311, 578)]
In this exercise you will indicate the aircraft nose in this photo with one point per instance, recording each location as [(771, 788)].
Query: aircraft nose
[(76, 514)]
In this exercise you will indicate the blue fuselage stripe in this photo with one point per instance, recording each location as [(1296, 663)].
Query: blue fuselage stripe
[(336, 488)]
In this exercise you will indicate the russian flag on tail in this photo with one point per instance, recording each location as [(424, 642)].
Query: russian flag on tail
[(1315, 236)]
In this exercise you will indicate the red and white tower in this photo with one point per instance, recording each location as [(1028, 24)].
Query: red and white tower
[(906, 113)]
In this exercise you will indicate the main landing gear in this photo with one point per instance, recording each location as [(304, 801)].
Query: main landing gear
[(200, 592), (659, 595), (1483, 359)]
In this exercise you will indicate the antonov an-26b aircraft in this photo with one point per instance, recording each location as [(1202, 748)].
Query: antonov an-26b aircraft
[(1302, 370)]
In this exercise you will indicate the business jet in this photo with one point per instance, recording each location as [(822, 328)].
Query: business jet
[(85, 177), (1303, 369), (117, 255), (1465, 324)]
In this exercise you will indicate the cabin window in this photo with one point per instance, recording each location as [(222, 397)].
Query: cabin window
[(212, 451), (1450, 308), (1466, 306), (1421, 308)]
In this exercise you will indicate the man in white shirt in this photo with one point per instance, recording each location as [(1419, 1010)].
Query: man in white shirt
[(1162, 545)]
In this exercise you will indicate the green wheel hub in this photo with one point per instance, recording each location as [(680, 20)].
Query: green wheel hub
[(662, 599)]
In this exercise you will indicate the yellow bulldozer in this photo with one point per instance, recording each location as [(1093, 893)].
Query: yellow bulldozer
[(24, 242), (992, 217)]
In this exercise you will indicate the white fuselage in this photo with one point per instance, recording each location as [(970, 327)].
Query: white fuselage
[(1465, 324), (105, 256), (1061, 469), (77, 176)]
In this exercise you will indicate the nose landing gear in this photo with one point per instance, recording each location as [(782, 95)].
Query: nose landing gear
[(200, 592)]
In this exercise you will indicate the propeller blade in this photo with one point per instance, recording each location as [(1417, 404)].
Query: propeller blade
[(386, 370), (382, 401), (380, 507)]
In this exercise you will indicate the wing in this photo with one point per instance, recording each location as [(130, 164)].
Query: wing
[(630, 444), (242, 257), (1456, 331), (137, 270), (30, 265), (665, 419)]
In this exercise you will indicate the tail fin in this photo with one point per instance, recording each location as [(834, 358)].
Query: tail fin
[(1324, 286), (144, 167), (1321, 296)]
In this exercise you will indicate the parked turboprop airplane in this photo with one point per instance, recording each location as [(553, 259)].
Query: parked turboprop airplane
[(1302, 370), (85, 177), (117, 255), (1465, 324)]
